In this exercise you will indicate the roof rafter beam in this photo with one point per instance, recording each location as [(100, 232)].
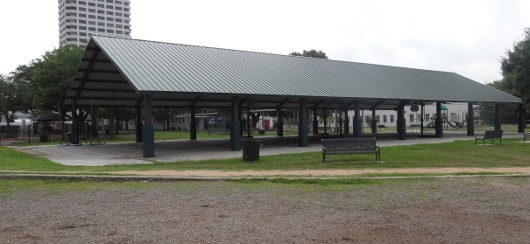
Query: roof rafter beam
[(280, 105), (100, 71), (195, 101), (85, 74), (347, 105), (317, 104), (104, 90), (140, 100), (377, 104)]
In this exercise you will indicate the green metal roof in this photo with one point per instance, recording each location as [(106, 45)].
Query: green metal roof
[(117, 72)]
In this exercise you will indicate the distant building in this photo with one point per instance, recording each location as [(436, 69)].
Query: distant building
[(79, 19)]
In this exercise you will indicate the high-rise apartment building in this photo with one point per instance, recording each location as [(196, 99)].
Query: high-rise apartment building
[(79, 19)]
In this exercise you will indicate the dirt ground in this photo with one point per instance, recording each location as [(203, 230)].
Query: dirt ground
[(433, 210)]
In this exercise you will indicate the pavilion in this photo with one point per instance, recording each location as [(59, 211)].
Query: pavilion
[(146, 74)]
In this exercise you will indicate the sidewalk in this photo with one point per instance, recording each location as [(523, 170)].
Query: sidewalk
[(203, 149)]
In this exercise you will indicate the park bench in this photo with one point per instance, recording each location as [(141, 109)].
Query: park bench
[(490, 135), (525, 134), (350, 146)]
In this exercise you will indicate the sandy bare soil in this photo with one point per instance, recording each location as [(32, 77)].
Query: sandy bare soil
[(319, 173), (437, 210)]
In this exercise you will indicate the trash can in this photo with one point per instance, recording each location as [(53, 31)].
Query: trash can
[(250, 150), (43, 138)]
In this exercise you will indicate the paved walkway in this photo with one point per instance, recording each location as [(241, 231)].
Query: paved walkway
[(182, 150)]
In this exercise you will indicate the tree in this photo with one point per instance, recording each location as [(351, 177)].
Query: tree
[(13, 95), (516, 72), (165, 115), (51, 77), (311, 53)]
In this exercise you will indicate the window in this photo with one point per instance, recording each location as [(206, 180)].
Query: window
[(384, 118), (411, 118), (377, 118), (391, 118), (453, 117), (427, 118)]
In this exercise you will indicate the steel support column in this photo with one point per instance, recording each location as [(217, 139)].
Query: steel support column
[(401, 123), (302, 125), (497, 119), (148, 129), (235, 126), (438, 122), (193, 125), (315, 121), (346, 122), (522, 118), (470, 120), (374, 122), (279, 123), (138, 124), (357, 122), (75, 130)]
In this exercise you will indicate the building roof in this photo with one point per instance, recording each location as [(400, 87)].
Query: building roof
[(117, 72)]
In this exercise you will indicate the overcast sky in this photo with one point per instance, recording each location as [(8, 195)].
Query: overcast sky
[(464, 36)]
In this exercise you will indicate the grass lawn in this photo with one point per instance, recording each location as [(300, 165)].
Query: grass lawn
[(511, 153)]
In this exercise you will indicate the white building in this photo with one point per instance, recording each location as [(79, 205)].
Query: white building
[(453, 114), (79, 19)]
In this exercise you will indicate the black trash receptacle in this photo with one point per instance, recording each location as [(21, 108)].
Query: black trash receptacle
[(43, 138), (250, 150)]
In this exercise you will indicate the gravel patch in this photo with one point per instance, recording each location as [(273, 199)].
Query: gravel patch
[(456, 210)]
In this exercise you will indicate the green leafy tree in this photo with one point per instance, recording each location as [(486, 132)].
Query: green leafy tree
[(52, 75), (515, 67), (13, 95), (165, 115), (311, 53), (516, 80)]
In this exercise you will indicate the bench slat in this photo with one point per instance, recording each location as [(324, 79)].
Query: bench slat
[(350, 146), (490, 135)]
